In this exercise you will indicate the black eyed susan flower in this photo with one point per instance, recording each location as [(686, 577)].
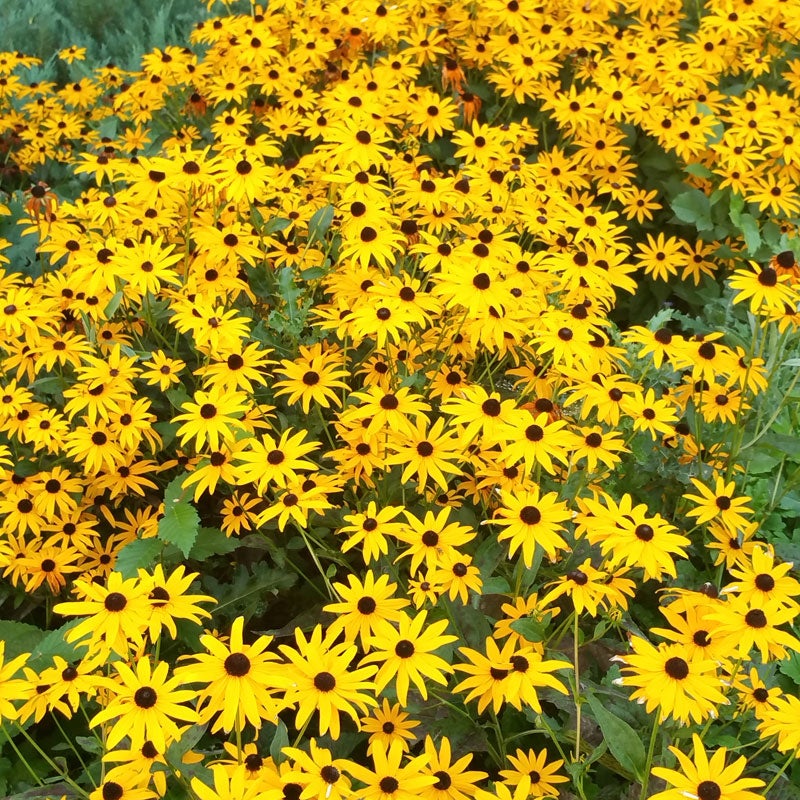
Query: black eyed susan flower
[(719, 503), (764, 288), (762, 580), (664, 679), (706, 778), (457, 576), (530, 519), (426, 451), (169, 599), (538, 440), (321, 776), (239, 681), (453, 780), (369, 529), (756, 695), (431, 538), (535, 772), (145, 705), (366, 608), (323, 681), (269, 461), (388, 723), (487, 674), (389, 780), (407, 655), (118, 614), (212, 418), (757, 624), (314, 376)]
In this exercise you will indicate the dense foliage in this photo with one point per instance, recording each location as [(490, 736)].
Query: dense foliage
[(391, 394)]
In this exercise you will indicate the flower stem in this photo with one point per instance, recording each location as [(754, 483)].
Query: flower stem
[(792, 756), (49, 761), (649, 762), (578, 702)]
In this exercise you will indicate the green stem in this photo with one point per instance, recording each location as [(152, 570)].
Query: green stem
[(649, 762), (21, 757), (74, 749), (331, 591), (498, 731), (52, 764), (237, 724), (578, 703), (792, 756)]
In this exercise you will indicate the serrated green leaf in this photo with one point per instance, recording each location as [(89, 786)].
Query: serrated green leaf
[(212, 542), (175, 493), (179, 526), (319, 224), (623, 741), (138, 554)]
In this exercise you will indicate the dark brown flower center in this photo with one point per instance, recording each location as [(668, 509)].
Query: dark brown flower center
[(324, 682), (366, 605), (756, 618), (115, 602), (530, 515), (145, 697), (765, 582), (237, 665), (404, 649), (676, 668), (709, 790)]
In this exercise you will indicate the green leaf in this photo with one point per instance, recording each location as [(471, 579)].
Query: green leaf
[(313, 273), (113, 305), (693, 207), (19, 637), (698, 170), (174, 493), (89, 745), (319, 223), (623, 741), (279, 741), (750, 230), (532, 629), (179, 526), (138, 554), (275, 225), (53, 644), (790, 667), (212, 542)]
